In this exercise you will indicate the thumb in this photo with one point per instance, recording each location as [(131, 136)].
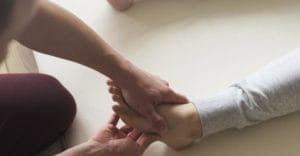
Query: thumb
[(174, 98)]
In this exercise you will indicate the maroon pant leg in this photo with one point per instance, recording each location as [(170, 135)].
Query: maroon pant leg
[(35, 110)]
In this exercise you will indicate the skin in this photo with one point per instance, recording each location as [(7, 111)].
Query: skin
[(24, 11), (121, 5), (111, 141), (49, 29), (184, 124)]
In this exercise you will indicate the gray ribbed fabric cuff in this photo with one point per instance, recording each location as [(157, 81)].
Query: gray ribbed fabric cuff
[(219, 112)]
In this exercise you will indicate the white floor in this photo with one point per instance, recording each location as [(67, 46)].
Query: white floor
[(200, 47)]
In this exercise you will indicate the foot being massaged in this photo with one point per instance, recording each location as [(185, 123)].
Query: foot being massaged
[(272, 91)]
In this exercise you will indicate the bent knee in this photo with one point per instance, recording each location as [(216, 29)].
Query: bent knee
[(58, 100), (52, 100), (36, 100)]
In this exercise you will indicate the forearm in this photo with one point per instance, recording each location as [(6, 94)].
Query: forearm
[(271, 92), (56, 32), (85, 149), (75, 151)]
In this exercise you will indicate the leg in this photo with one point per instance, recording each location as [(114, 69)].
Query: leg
[(35, 110)]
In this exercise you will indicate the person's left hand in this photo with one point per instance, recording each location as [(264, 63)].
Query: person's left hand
[(125, 141), (112, 141)]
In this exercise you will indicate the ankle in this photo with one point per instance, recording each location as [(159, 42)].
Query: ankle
[(184, 126), (194, 120)]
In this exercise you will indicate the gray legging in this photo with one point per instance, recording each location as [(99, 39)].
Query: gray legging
[(35, 110)]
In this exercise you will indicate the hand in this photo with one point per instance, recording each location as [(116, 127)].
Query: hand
[(125, 141), (111, 141), (144, 93), (184, 125), (183, 121)]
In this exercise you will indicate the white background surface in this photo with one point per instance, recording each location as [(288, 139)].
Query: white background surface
[(200, 47)]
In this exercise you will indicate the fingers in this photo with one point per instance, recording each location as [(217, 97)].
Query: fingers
[(115, 90), (114, 120), (110, 83), (145, 140), (113, 87), (126, 129), (158, 122), (174, 98), (118, 99), (133, 119), (135, 134)]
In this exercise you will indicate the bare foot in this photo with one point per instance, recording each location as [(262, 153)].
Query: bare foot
[(184, 125)]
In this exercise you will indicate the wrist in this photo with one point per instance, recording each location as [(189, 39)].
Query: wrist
[(117, 67), (127, 75), (122, 71), (94, 148)]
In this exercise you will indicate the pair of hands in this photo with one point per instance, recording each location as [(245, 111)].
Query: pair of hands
[(142, 94)]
